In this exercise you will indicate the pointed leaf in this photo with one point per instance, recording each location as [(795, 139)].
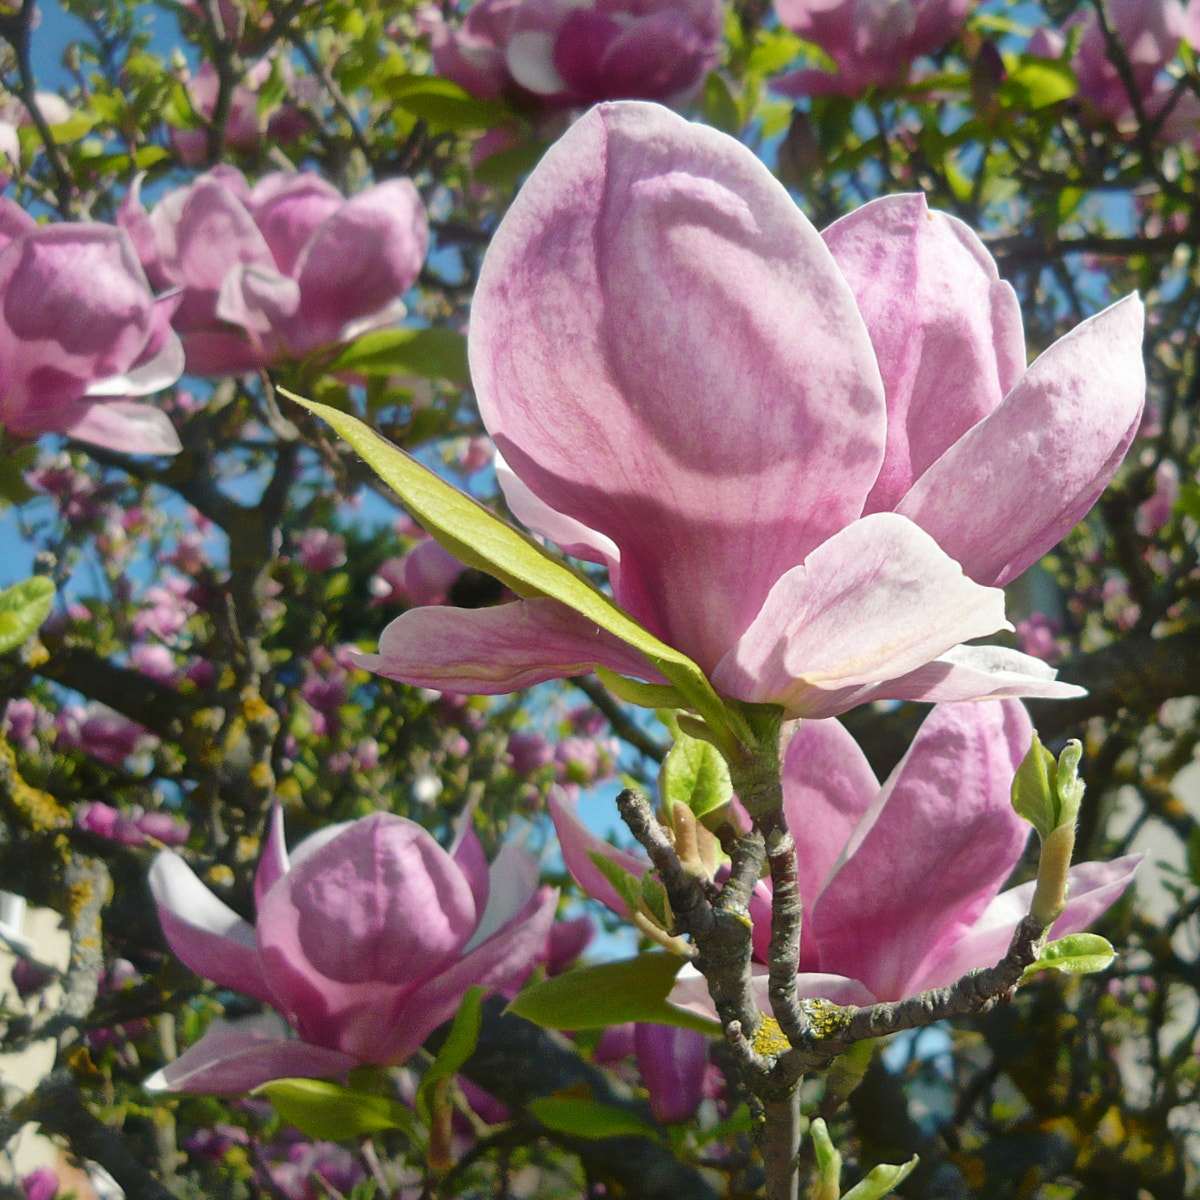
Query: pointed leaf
[(881, 1181), (456, 1049), (829, 1162), (609, 994), (694, 774), (1076, 954), (431, 353), (579, 1116), (321, 1109), (480, 539), (23, 608), (1033, 791), (623, 882)]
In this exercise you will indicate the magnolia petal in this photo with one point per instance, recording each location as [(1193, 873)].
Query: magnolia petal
[(877, 600), (467, 852), (209, 937), (273, 864), (1092, 888), (578, 844), (120, 425), (946, 328), (1015, 484), (664, 350), (512, 880), (827, 786), (936, 846), (690, 991), (237, 1056), (498, 964), (974, 673), (488, 651)]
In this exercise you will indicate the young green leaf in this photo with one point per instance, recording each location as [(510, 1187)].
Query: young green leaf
[(1076, 954), (882, 1180), (456, 1049), (321, 1109), (694, 774), (635, 989), (1034, 795), (580, 1116), (23, 608)]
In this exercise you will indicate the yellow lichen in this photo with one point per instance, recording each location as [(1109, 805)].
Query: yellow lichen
[(39, 809), (769, 1039), (825, 1018)]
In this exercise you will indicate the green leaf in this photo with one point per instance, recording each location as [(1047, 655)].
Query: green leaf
[(882, 1180), (1033, 792), (430, 353), (720, 107), (774, 51), (1076, 954), (1067, 784), (829, 1162), (23, 608), (482, 540), (634, 691), (1035, 83), (623, 882), (579, 1116), (654, 899), (506, 167), (320, 1109), (456, 1049), (635, 989), (443, 105), (694, 773)]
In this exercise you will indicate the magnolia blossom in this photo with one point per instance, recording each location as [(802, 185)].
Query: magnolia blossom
[(901, 885), (1149, 31), (80, 333), (367, 938), (808, 461), (572, 53), (280, 269), (872, 42)]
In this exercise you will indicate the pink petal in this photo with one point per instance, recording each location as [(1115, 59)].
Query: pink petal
[(512, 880), (934, 849), (1013, 486), (664, 351), (946, 329), (363, 919), (827, 786), (360, 260), (1092, 889), (487, 651), (470, 859), (875, 601), (273, 862), (215, 233), (288, 207), (969, 673), (118, 425), (499, 964), (236, 1056), (205, 932), (578, 844)]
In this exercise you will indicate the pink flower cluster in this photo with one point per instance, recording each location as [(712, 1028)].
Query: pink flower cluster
[(278, 270), (550, 54)]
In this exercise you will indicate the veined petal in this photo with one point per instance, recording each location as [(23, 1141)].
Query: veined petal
[(1015, 484), (497, 964), (488, 651), (578, 844), (946, 328), (204, 931), (936, 846), (122, 425), (1093, 887), (827, 787), (236, 1056), (664, 350), (875, 601)]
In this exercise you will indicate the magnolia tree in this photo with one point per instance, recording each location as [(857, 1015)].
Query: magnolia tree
[(539, 536)]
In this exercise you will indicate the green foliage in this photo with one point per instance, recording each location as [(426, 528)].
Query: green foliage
[(322, 1109), (1075, 954), (580, 1116), (456, 1049), (23, 608), (1048, 794), (609, 994)]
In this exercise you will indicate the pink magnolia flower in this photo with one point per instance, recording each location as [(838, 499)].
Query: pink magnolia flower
[(367, 938), (101, 732), (280, 269), (673, 1064), (242, 130), (901, 885), (872, 42), (80, 333), (572, 53), (808, 461), (321, 550)]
